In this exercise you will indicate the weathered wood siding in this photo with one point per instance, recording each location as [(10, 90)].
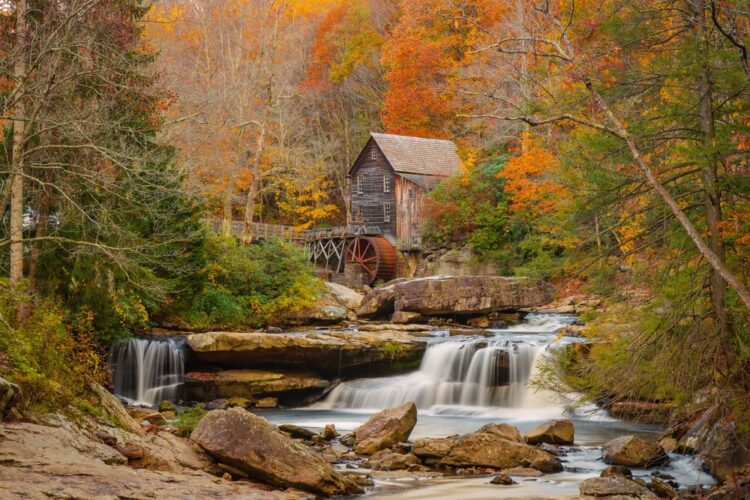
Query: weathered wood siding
[(409, 198), (373, 198)]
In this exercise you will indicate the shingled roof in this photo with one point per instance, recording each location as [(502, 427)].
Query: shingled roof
[(415, 155)]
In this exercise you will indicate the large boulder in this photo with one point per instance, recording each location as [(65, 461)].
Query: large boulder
[(555, 432), (633, 451), (616, 486), (207, 386), (337, 353), (470, 294), (389, 460), (378, 302), (490, 450), (9, 394), (385, 429), (251, 444), (434, 448), (344, 296)]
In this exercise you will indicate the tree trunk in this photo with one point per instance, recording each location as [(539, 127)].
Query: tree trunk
[(255, 184), (19, 138), (709, 175), (226, 225)]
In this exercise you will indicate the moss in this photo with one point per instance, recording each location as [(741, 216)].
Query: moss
[(188, 418)]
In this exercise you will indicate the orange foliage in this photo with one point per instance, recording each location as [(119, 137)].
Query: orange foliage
[(530, 179), (426, 51)]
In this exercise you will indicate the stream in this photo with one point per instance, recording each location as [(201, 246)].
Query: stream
[(463, 384)]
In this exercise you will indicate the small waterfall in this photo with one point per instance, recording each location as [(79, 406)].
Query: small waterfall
[(474, 372), (147, 371)]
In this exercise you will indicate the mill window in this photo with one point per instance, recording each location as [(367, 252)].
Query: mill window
[(373, 154), (386, 183), (386, 212), (360, 184)]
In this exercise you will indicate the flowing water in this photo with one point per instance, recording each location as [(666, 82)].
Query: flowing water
[(148, 370), (464, 383)]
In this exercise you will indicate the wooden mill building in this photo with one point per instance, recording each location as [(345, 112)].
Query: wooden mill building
[(386, 187), (389, 179)]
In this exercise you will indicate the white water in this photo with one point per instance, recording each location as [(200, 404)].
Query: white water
[(147, 371), (460, 375)]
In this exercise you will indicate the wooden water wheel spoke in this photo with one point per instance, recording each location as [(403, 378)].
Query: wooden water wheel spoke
[(374, 256)]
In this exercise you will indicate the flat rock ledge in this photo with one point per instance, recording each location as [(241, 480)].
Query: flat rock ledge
[(330, 354), (249, 383)]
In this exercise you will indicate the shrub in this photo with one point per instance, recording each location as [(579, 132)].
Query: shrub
[(53, 362), (188, 418), (253, 285)]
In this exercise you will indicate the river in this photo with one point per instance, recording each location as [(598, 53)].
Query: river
[(466, 382)]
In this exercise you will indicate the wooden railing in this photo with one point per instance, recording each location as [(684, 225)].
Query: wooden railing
[(258, 230)]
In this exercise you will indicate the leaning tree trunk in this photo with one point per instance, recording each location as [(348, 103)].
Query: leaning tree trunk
[(19, 138), (255, 184), (714, 260)]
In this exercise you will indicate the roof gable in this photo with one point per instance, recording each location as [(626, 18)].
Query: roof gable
[(415, 155)]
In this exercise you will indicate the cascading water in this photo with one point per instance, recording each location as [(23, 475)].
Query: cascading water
[(148, 371), (484, 372)]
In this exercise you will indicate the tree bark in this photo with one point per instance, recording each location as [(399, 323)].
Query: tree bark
[(255, 184), (19, 139)]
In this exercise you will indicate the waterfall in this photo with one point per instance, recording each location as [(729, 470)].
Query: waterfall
[(147, 371), (466, 372)]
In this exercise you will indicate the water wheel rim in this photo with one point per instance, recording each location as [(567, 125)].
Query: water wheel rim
[(365, 254)]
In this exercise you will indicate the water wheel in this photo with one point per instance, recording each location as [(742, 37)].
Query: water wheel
[(375, 256)]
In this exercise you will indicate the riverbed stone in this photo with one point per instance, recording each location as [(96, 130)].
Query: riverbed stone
[(434, 448), (616, 470), (554, 432), (385, 428), (251, 444), (112, 407), (633, 451), (378, 302), (502, 479), (614, 486), (489, 450), (389, 460), (298, 432), (345, 296), (506, 431)]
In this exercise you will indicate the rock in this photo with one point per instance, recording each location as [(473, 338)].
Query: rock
[(329, 432), (63, 460), (298, 432), (217, 404), (616, 470), (250, 443), (385, 428), (505, 431), (523, 472), (459, 261), (268, 402), (434, 447), (345, 296), (662, 488), (613, 486), (405, 317), (502, 479), (479, 322), (130, 452), (247, 384), (552, 449), (167, 405), (633, 451), (490, 450), (469, 294), (112, 406), (640, 411), (347, 440), (378, 302), (169, 415), (388, 460), (555, 432), (333, 353), (156, 418)]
